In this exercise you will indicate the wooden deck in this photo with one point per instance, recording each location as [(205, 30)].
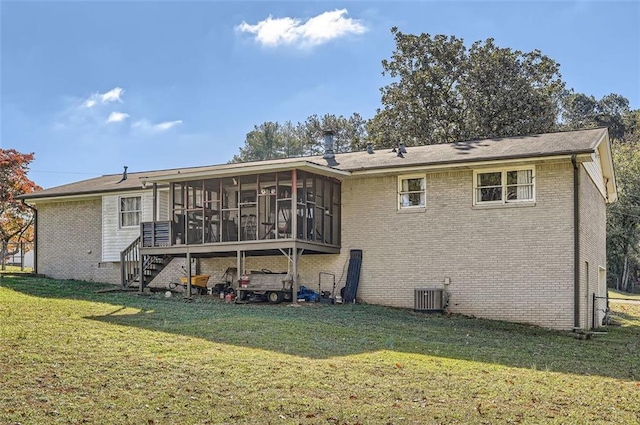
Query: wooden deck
[(251, 248)]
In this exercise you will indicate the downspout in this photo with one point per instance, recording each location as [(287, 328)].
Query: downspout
[(576, 244), (35, 236)]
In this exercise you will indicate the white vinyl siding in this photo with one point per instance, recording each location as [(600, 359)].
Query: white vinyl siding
[(114, 237), (503, 186), (594, 169), (163, 205)]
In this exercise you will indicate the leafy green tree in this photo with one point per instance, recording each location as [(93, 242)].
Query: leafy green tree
[(271, 140), (612, 111), (509, 93), (443, 92), (422, 104), (578, 111), (623, 217), (349, 133)]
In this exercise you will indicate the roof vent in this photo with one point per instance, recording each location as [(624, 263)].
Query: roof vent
[(370, 148), (328, 145), (124, 175)]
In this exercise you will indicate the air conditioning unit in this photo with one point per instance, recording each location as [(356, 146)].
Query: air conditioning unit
[(429, 300)]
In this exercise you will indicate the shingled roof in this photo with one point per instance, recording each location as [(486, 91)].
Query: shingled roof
[(520, 147)]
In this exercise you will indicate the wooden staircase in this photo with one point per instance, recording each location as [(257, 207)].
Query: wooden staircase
[(131, 263)]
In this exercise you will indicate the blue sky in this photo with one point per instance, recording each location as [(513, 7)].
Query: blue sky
[(92, 86)]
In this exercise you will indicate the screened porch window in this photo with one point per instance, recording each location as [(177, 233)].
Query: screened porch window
[(130, 211), (257, 207), (503, 186)]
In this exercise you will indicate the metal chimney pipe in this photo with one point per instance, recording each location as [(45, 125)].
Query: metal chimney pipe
[(328, 145), (370, 148), (124, 175)]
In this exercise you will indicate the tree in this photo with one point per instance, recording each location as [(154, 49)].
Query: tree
[(15, 217), (509, 93), (263, 142), (349, 133), (423, 102), (271, 140), (612, 111), (578, 111), (443, 92), (623, 217)]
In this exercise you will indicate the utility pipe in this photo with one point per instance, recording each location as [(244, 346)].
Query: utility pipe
[(576, 243)]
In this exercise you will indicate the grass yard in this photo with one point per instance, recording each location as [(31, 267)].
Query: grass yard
[(71, 355), (15, 269), (624, 295)]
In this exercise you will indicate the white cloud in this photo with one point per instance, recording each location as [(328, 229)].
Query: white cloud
[(166, 125), (315, 31), (162, 126), (117, 116), (113, 95)]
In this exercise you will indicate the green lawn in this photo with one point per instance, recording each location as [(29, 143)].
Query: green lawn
[(71, 355), (618, 294), (15, 269)]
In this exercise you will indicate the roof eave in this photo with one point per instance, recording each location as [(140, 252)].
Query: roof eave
[(251, 169), (466, 163), (603, 147), (84, 194)]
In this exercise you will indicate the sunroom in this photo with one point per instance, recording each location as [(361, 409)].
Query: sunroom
[(290, 207), (259, 210)]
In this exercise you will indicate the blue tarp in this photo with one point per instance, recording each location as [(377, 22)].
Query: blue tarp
[(307, 294)]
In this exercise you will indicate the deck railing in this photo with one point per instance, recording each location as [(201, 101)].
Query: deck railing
[(163, 234), (156, 234)]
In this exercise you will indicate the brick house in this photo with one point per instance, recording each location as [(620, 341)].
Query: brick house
[(511, 229)]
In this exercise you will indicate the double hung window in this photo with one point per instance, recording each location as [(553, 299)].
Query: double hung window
[(130, 211), (412, 192), (504, 186)]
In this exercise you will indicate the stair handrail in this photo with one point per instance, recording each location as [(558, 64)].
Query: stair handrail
[(129, 259)]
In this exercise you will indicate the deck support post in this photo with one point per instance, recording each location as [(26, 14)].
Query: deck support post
[(141, 270), (239, 272), (292, 257), (188, 274), (155, 202), (294, 269), (294, 205)]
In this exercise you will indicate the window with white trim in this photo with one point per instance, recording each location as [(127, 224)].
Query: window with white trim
[(412, 192), (503, 186), (130, 211)]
